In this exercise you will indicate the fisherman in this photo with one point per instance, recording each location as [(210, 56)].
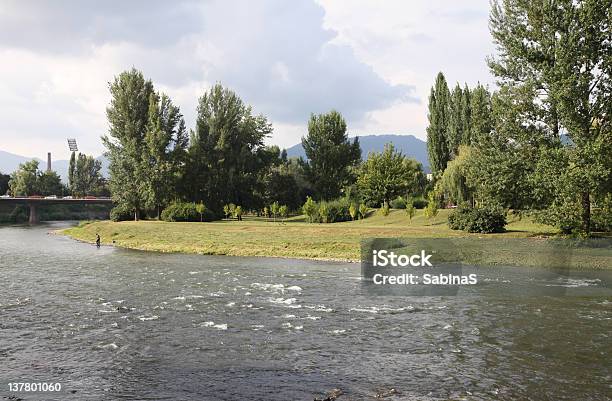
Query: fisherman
[(98, 240)]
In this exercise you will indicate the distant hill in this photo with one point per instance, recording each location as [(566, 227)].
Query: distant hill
[(10, 162), (409, 145)]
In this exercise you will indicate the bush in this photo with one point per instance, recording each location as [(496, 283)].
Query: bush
[(121, 213), (398, 203), (419, 202), (340, 210), (384, 209), (311, 209), (181, 211), (410, 210), (483, 220), (363, 211)]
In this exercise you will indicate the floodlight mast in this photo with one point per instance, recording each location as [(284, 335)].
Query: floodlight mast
[(72, 145)]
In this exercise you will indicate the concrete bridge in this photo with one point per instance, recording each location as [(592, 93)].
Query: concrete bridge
[(34, 202)]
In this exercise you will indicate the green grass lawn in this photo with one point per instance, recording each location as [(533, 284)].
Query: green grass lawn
[(291, 238)]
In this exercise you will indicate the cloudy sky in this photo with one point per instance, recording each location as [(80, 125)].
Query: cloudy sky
[(372, 60)]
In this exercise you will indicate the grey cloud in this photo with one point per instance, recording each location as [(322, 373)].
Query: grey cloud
[(274, 53)]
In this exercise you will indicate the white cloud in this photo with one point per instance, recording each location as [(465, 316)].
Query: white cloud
[(373, 61)]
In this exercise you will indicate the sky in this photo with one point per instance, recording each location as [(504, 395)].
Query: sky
[(374, 61)]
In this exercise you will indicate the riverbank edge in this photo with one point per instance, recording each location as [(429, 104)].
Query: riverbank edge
[(136, 248), (590, 263)]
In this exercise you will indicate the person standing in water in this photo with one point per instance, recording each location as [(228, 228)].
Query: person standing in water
[(98, 240)]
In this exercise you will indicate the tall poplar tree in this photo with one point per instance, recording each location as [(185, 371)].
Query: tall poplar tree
[(455, 121), (125, 143), (437, 138)]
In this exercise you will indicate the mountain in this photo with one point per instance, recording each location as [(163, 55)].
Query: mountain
[(10, 162), (409, 145)]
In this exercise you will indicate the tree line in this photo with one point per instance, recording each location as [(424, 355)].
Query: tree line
[(155, 162), (542, 143)]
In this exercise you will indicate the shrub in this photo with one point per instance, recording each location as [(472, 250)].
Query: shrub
[(324, 213), (410, 210), (418, 202), (181, 211), (478, 220), (431, 210), (238, 212), (384, 209), (121, 213), (201, 209), (353, 211), (363, 210), (398, 203), (339, 210), (274, 208), (311, 210), (283, 211)]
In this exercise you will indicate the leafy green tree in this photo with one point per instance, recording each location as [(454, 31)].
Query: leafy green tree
[(410, 209), (480, 113), (125, 143), (226, 152), (384, 176), (24, 181), (201, 209), (86, 176), (439, 114), (238, 213), (165, 139), (453, 183), (330, 153), (455, 121), (4, 183), (311, 210), (554, 62), (363, 210), (49, 183), (466, 116), (274, 208), (431, 210), (27, 180), (283, 211), (227, 211)]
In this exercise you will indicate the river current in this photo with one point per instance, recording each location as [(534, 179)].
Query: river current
[(118, 324)]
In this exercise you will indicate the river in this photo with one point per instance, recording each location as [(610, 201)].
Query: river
[(118, 324)]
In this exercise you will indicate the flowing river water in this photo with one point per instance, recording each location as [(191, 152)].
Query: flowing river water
[(118, 324)]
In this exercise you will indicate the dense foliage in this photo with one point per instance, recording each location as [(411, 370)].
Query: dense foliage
[(181, 211), (28, 180), (330, 155), (384, 176), (483, 220)]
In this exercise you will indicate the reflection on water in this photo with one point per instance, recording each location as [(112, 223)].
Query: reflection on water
[(118, 324)]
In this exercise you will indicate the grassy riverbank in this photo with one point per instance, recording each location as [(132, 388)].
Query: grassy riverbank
[(292, 238)]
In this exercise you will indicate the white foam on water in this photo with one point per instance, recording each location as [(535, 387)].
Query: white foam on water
[(217, 294), (574, 283), (319, 308), (110, 346), (222, 326), (309, 317), (288, 316), (146, 318), (180, 298), (283, 301), (207, 324), (338, 331), (299, 327), (287, 325), (230, 304)]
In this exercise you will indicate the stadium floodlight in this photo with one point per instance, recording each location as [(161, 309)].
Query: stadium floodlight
[(72, 145)]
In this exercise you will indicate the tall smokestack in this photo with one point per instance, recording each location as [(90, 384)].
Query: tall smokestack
[(48, 161)]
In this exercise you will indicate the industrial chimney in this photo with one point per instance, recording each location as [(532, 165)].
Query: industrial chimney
[(49, 161)]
